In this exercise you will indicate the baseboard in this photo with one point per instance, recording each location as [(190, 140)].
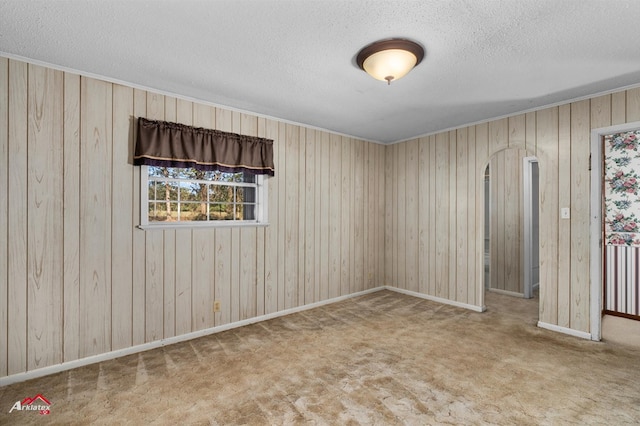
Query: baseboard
[(565, 330), (506, 292), (52, 369), (437, 299)]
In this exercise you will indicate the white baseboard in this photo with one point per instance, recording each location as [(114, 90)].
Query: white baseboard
[(45, 371), (437, 299), (506, 292), (565, 330), (52, 369)]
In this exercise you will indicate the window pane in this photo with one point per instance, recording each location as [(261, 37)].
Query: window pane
[(248, 194), (171, 191), (189, 195), (152, 211), (221, 211), (248, 212), (193, 211), (172, 211), (152, 190), (159, 212)]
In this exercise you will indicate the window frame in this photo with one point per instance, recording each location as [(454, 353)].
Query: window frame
[(261, 209)]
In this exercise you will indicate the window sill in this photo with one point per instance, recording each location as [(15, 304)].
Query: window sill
[(192, 225)]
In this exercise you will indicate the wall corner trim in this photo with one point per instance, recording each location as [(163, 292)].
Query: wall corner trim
[(437, 299), (565, 330)]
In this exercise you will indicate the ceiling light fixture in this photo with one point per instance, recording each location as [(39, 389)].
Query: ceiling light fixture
[(390, 59)]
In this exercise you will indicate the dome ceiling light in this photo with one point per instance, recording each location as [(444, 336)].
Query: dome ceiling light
[(390, 59)]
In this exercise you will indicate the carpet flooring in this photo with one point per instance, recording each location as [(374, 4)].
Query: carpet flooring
[(379, 359)]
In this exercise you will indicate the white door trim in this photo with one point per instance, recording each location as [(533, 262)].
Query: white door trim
[(596, 223), (527, 169)]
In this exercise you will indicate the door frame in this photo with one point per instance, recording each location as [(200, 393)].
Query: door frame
[(527, 173), (595, 258)]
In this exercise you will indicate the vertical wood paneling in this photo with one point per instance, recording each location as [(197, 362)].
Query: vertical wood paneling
[(379, 211), (433, 237), (482, 157), (400, 216), (235, 235), (388, 215), (318, 266), (633, 105), (261, 234), (183, 244), (473, 249), (547, 148), (17, 223), (210, 277), (517, 131), (335, 201), (601, 111), (292, 148), (45, 143), (461, 212), (424, 255), (271, 232), (396, 213), (497, 182), (122, 224), (71, 219), (309, 216), (511, 220), (442, 233), (154, 241), (453, 231), (345, 213), (119, 286), (530, 132), (498, 135), (169, 251), (580, 201), (411, 216), (282, 203), (248, 246), (564, 225), (301, 203), (619, 107), (138, 293), (357, 219), (95, 226), (4, 211), (222, 238), (325, 208)]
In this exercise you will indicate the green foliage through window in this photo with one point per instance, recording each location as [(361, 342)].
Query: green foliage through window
[(190, 195)]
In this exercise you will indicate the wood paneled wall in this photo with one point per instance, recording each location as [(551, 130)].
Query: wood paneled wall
[(448, 221), (77, 278)]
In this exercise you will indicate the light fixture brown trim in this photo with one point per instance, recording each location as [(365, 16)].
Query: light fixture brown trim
[(388, 44)]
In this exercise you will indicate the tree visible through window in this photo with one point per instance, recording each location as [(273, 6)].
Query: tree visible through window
[(186, 195)]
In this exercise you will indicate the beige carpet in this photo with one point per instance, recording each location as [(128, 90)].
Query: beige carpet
[(383, 358)]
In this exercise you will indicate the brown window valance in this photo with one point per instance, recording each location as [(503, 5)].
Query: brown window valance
[(166, 144)]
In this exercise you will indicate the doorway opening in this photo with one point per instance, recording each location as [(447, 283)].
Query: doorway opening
[(614, 304), (511, 234)]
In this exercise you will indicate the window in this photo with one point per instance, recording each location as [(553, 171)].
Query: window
[(175, 197)]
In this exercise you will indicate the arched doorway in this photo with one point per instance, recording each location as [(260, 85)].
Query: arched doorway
[(511, 255)]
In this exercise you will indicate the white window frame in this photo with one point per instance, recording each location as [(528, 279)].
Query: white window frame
[(260, 208)]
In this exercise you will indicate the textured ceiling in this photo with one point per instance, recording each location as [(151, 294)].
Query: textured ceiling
[(295, 60)]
